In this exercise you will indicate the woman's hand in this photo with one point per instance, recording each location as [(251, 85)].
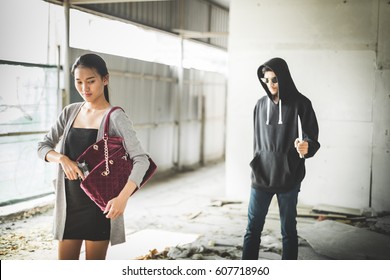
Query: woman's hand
[(116, 206), (71, 170)]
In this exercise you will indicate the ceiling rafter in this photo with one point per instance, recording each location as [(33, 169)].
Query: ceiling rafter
[(199, 35), (80, 2), (185, 33)]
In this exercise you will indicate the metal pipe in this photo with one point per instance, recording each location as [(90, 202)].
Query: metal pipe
[(66, 97), (202, 128), (59, 90), (26, 64), (180, 75), (143, 76)]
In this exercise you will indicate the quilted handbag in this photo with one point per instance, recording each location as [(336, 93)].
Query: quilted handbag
[(109, 167)]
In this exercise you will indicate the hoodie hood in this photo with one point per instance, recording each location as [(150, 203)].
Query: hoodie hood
[(287, 88)]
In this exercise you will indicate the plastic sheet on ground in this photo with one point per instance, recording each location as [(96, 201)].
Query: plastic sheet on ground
[(344, 242)]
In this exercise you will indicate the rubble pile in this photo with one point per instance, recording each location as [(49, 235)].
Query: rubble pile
[(200, 252), (16, 243)]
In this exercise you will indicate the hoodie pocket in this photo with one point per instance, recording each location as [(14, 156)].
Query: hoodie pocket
[(274, 169)]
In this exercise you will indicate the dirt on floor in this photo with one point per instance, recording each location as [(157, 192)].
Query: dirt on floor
[(187, 203)]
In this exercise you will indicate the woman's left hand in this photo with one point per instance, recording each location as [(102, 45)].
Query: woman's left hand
[(116, 206)]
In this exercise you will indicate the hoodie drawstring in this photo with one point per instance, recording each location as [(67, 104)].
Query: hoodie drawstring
[(280, 111), (268, 104)]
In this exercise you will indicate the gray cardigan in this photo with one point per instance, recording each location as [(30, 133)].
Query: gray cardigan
[(120, 125)]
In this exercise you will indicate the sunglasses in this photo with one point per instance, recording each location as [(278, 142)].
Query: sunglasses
[(274, 80)]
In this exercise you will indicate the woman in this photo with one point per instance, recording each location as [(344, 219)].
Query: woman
[(77, 218)]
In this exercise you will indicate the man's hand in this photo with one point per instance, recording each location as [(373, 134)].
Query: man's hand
[(302, 147)]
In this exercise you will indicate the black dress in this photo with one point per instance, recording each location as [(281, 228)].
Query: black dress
[(84, 219)]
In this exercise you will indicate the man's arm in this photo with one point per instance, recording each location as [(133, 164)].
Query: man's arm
[(310, 130)]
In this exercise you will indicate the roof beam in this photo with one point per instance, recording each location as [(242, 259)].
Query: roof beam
[(79, 2), (188, 34)]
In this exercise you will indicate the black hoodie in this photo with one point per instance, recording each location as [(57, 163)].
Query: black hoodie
[(276, 166)]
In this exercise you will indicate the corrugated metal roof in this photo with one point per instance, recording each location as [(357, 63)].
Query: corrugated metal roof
[(202, 20)]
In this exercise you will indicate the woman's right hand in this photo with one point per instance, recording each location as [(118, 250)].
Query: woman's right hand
[(71, 170)]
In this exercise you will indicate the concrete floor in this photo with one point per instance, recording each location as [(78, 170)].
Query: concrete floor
[(183, 216)]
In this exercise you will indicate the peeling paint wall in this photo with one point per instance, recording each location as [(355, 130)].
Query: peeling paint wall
[(338, 53)]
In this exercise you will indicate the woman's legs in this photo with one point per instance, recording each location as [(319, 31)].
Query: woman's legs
[(96, 250), (69, 249)]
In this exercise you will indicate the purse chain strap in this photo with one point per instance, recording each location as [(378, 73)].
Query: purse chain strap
[(105, 139), (107, 171)]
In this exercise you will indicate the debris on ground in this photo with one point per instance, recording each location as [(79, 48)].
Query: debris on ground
[(382, 225), (222, 202), (321, 213), (19, 237), (154, 254), (219, 224), (365, 218), (13, 242), (26, 214), (201, 252), (212, 243), (194, 215), (188, 251), (322, 217), (344, 211), (271, 242)]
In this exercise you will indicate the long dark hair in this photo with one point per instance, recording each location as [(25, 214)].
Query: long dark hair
[(91, 60)]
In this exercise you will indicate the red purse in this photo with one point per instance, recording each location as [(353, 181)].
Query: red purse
[(109, 167)]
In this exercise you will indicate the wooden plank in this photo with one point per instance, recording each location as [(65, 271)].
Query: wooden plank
[(323, 208)]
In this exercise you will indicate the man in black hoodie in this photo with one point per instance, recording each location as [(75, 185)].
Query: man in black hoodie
[(285, 134)]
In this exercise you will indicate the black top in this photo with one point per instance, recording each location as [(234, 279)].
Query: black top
[(79, 139), (84, 219)]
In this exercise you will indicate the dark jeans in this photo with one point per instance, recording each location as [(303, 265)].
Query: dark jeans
[(257, 211)]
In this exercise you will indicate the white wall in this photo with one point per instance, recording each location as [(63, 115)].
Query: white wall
[(334, 49)]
